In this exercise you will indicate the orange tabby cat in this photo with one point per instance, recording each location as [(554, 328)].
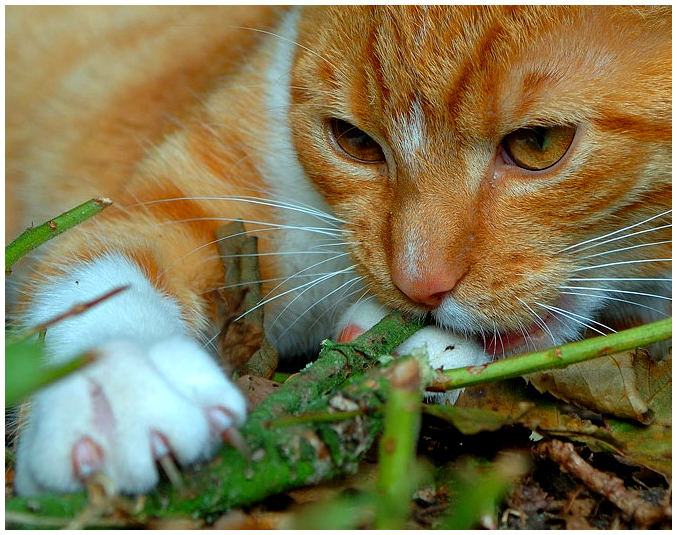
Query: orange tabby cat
[(504, 171)]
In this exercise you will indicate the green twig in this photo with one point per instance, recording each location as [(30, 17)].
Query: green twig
[(556, 357), (36, 236), (398, 445)]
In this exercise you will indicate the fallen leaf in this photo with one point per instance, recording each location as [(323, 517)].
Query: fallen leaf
[(607, 385)]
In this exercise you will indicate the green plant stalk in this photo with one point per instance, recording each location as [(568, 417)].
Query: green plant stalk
[(36, 236), (397, 447), (553, 358)]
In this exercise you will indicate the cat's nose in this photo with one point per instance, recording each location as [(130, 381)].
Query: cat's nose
[(428, 285)]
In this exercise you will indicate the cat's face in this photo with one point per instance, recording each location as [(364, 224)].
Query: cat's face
[(471, 150)]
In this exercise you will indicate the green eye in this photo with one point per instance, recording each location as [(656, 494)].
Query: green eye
[(355, 143), (539, 147)]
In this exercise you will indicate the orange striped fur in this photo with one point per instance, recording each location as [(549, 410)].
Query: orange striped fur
[(144, 104)]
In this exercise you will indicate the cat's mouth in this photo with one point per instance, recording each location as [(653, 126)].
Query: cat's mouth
[(529, 338)]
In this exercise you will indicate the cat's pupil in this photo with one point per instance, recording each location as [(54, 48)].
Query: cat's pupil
[(538, 137)]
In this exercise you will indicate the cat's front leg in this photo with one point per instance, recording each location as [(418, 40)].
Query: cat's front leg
[(152, 390), (445, 349)]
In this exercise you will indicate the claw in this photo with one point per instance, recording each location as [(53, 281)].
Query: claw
[(223, 421), (87, 458), (163, 454)]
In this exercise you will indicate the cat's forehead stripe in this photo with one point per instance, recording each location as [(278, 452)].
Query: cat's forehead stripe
[(409, 135)]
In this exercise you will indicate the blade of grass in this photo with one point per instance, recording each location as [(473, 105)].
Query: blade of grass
[(36, 236)]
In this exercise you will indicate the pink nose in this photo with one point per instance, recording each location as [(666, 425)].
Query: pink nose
[(430, 285)]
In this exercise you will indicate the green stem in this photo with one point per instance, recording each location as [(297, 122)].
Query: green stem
[(36, 236), (398, 446), (556, 357)]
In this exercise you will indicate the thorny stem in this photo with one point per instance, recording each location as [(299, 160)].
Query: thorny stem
[(556, 357), (36, 236)]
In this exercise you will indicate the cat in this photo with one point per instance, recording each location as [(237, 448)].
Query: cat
[(504, 172)]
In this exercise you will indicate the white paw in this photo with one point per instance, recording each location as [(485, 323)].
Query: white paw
[(445, 349), (131, 406)]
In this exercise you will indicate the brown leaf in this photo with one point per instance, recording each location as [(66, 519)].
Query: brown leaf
[(242, 343), (256, 389), (607, 385), (644, 445)]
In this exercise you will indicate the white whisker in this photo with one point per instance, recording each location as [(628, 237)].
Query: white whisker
[(615, 291), (307, 268), (609, 298), (275, 279), (275, 253), (623, 262), (566, 315), (615, 231), (353, 281), (297, 288), (625, 249), (539, 321), (624, 237), (622, 279), (272, 34), (252, 200), (318, 230), (553, 308)]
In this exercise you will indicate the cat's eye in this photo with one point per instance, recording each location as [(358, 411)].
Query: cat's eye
[(355, 143), (538, 147)]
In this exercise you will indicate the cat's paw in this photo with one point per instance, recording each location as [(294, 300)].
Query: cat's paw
[(445, 349), (134, 404)]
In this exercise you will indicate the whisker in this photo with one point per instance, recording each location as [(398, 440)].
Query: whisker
[(626, 249), (318, 230), (291, 41), (339, 301), (540, 321), (252, 200), (307, 268), (607, 297), (626, 236), (311, 284), (275, 253), (615, 291), (615, 231), (274, 279), (623, 262), (353, 281), (566, 315), (622, 279), (553, 308)]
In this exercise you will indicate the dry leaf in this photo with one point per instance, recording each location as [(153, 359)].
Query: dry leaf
[(607, 385), (256, 389), (242, 343)]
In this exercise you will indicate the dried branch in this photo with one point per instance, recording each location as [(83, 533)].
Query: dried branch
[(629, 501)]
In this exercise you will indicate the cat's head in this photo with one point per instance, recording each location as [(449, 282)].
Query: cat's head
[(475, 151)]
